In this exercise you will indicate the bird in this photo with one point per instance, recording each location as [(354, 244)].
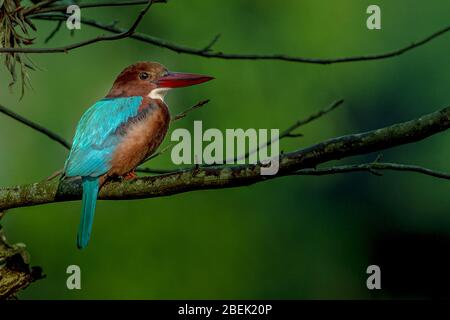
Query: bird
[(120, 131)]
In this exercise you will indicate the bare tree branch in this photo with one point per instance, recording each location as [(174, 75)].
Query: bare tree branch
[(288, 133), (97, 5), (54, 31), (121, 35), (194, 107), (207, 53), (160, 152), (212, 43), (237, 175), (38, 6), (370, 167), (35, 126)]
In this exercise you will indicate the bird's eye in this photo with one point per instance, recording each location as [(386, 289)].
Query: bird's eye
[(143, 76)]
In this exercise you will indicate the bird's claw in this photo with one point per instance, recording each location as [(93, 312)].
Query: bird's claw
[(130, 176)]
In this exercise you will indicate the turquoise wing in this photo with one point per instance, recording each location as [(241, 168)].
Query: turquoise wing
[(97, 137)]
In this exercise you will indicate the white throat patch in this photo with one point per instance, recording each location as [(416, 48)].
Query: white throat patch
[(158, 93)]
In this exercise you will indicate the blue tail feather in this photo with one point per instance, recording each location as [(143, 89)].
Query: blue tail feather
[(90, 192)]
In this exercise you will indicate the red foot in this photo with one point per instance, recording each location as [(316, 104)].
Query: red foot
[(130, 175)]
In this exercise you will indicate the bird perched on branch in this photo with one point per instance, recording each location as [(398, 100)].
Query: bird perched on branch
[(120, 131)]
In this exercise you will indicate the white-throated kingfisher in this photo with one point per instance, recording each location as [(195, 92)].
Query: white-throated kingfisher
[(120, 131)]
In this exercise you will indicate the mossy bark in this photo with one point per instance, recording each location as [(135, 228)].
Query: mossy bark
[(15, 271), (231, 176)]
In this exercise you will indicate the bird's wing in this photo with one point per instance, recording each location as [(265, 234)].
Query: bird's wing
[(96, 136)]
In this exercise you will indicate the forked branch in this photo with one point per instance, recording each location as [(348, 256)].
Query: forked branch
[(241, 175)]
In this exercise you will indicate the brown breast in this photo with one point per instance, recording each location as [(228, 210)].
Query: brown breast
[(141, 137)]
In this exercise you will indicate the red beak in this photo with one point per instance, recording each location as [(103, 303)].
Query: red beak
[(178, 80)]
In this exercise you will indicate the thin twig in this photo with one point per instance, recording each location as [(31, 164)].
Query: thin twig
[(372, 166), (212, 43), (288, 132), (36, 7), (35, 126), (54, 31), (220, 55), (294, 135), (55, 174), (169, 146), (315, 116), (97, 5), (194, 107), (121, 35), (157, 154)]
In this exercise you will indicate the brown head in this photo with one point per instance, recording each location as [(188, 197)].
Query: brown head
[(151, 79)]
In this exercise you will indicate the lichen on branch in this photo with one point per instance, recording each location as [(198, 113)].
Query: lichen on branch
[(227, 176)]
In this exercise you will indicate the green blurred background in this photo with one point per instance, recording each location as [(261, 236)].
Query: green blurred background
[(296, 237)]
